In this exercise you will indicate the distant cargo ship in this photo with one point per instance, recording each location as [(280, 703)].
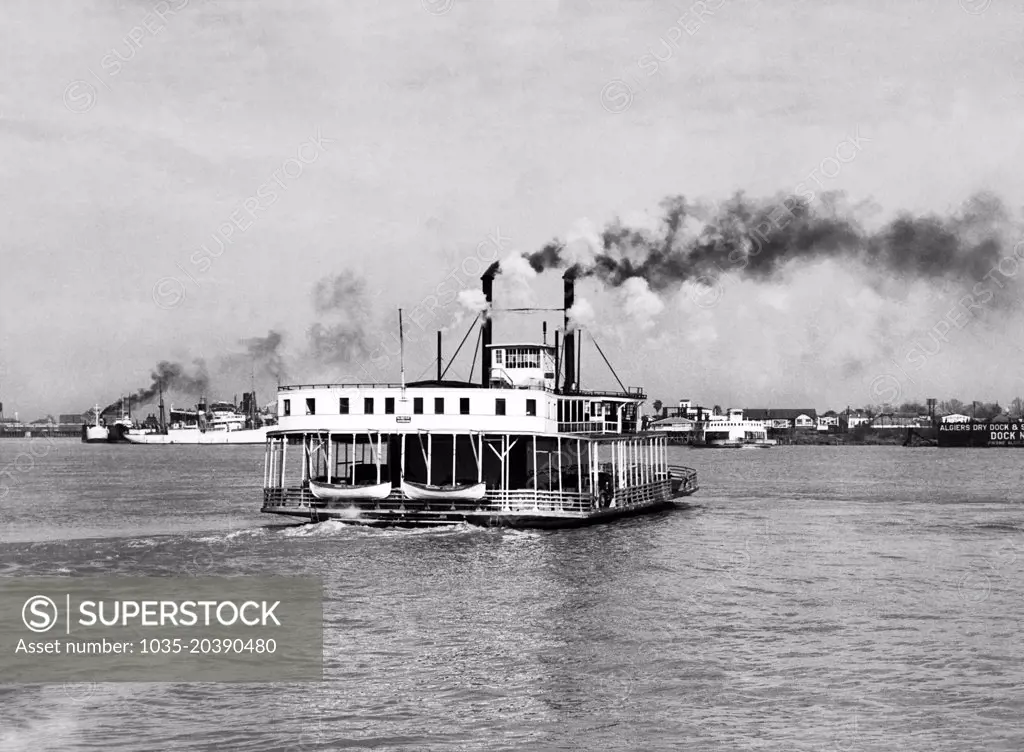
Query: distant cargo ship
[(221, 423), (977, 434), (97, 433)]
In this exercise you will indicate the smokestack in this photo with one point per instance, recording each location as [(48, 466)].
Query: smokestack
[(544, 333), (569, 299), (487, 332), (438, 354), (163, 423)]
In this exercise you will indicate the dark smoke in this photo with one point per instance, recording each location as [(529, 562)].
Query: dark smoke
[(265, 356), (758, 238), (172, 377), (340, 302)]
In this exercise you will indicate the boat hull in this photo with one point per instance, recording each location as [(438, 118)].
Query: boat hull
[(516, 509), (250, 436), (95, 434)]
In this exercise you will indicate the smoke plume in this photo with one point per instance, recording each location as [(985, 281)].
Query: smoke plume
[(173, 377), (265, 354), (340, 303), (756, 238)]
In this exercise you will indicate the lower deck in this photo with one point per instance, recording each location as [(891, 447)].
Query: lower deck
[(523, 480)]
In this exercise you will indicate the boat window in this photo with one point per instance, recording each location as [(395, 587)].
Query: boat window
[(498, 354), (343, 405), (310, 405), (531, 407), (499, 406), (417, 405), (368, 405), (439, 405), (464, 405), (287, 407), (389, 405), (523, 357)]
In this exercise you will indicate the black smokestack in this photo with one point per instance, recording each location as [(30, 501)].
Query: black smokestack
[(487, 282), (569, 299), (756, 238)]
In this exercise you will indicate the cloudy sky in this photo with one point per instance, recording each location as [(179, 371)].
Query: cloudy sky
[(179, 176)]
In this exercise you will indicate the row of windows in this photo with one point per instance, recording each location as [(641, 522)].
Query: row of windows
[(417, 406), (518, 357)]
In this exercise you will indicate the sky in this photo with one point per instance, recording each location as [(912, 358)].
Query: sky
[(182, 177)]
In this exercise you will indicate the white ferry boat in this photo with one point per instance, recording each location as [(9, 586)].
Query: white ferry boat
[(733, 432), (521, 448)]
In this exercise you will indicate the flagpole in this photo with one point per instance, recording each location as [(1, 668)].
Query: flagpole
[(401, 349)]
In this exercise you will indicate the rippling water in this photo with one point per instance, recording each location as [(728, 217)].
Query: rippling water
[(857, 598)]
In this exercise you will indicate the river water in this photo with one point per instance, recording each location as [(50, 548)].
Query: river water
[(819, 598)]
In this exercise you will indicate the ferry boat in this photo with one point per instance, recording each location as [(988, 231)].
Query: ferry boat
[(523, 447), (733, 432)]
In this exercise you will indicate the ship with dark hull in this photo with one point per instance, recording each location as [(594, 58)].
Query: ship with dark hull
[(1008, 433)]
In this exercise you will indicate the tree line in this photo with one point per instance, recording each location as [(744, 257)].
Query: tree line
[(977, 410)]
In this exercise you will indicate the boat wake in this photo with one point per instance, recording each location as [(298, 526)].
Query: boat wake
[(341, 529)]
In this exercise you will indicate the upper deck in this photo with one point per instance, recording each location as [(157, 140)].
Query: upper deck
[(521, 389), (454, 407)]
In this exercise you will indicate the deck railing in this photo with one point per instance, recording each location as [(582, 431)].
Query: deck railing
[(539, 501)]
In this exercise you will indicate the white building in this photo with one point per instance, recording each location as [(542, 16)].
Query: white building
[(956, 418)]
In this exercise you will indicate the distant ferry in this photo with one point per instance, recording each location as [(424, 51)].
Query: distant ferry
[(735, 433), (521, 448)]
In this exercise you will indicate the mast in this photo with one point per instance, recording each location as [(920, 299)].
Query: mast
[(401, 349), (439, 355), (163, 424), (252, 395)]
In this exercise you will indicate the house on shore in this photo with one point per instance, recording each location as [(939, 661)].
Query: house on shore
[(783, 418), (677, 429)]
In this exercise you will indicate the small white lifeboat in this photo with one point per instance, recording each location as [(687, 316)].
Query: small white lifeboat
[(423, 492), (348, 492)]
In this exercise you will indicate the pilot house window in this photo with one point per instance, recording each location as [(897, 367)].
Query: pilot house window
[(287, 407), (522, 357)]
